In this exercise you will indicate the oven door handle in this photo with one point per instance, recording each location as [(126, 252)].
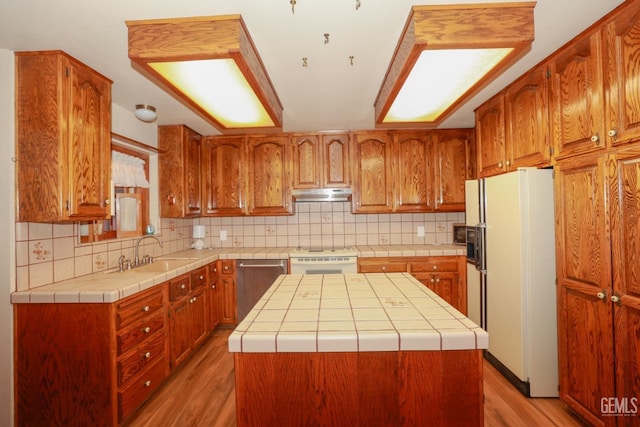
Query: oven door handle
[(298, 261), (241, 264)]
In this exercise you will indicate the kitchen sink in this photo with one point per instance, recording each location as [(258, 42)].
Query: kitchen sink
[(161, 266)]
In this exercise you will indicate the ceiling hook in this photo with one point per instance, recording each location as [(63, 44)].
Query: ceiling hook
[(351, 59), (357, 4), (326, 38), (304, 62), (293, 6)]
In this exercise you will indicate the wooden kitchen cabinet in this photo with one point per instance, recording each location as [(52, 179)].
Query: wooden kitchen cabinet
[(320, 160), (622, 68), (63, 131), (513, 128), (89, 363), (372, 172), (414, 181), (452, 162), (269, 175), (224, 175), (213, 297), (228, 308), (445, 275), (187, 314), (179, 167), (577, 97)]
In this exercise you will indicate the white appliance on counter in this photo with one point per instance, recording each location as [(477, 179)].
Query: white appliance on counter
[(323, 261), (511, 275)]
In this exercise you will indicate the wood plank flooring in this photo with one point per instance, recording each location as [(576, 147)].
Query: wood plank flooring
[(202, 393)]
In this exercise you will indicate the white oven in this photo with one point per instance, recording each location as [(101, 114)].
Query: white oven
[(327, 261)]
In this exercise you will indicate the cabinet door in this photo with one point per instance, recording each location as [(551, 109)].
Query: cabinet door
[(269, 182), (197, 317), (623, 76), (443, 284), (179, 331), (451, 169), (585, 329), (179, 171), (414, 172), (335, 161), (89, 144), (192, 169), (372, 173), (228, 309), (307, 161), (490, 137), (527, 120), (223, 173), (577, 97), (625, 236)]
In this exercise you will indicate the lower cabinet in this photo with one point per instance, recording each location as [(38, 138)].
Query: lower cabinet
[(187, 314), (89, 363), (213, 297), (445, 275), (228, 309)]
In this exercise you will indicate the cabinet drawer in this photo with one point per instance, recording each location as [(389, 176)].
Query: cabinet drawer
[(198, 277), (435, 265), (139, 331), (179, 287), (140, 305), (131, 396), (213, 269), (140, 357), (383, 267), (227, 267)]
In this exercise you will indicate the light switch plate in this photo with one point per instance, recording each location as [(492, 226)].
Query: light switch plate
[(223, 235), (421, 231)]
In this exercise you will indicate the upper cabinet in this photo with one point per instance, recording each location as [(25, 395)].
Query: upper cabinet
[(269, 175), (453, 166), (320, 161), (411, 171), (63, 139), (179, 168), (512, 128), (577, 97), (224, 175), (372, 172), (622, 76)]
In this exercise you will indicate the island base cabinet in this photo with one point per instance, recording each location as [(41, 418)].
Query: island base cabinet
[(406, 388)]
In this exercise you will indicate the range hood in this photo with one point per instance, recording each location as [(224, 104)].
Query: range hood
[(322, 195)]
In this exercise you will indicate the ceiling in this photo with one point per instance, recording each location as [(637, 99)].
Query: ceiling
[(328, 94)]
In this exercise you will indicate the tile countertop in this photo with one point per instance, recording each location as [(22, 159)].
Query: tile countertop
[(352, 313), (107, 287)]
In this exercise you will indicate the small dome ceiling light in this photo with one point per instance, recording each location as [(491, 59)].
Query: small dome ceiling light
[(146, 113)]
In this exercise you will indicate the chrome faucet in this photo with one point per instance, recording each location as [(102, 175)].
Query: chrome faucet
[(136, 258)]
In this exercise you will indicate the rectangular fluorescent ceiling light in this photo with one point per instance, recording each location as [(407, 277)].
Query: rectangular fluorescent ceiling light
[(445, 55), (211, 65)]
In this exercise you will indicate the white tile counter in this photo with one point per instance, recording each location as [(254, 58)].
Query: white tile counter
[(353, 313), (108, 287)]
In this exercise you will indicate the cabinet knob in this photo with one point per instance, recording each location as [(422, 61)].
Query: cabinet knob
[(107, 201), (201, 277), (183, 286), (432, 280), (147, 355), (500, 165), (613, 133), (384, 268), (213, 286), (616, 300), (147, 383), (595, 138), (437, 280), (602, 294), (215, 270), (508, 163), (435, 267), (146, 330), (146, 308)]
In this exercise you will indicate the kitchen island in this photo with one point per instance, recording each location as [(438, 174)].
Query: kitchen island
[(359, 349)]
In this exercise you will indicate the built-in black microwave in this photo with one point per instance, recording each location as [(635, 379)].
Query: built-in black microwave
[(459, 234), (474, 247)]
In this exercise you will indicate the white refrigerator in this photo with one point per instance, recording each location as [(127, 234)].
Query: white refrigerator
[(513, 295)]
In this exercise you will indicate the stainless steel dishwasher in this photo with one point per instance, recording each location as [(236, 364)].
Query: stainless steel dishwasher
[(253, 278)]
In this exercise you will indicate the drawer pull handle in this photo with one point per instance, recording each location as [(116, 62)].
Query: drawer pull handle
[(201, 277), (183, 286), (146, 330), (146, 308), (147, 355), (384, 267), (147, 383), (435, 267)]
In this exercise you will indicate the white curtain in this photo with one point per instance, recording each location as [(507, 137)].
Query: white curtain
[(127, 171)]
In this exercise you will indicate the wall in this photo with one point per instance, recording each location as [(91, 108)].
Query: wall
[(47, 253), (7, 218)]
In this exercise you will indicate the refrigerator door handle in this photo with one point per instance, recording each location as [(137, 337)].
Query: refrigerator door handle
[(481, 247)]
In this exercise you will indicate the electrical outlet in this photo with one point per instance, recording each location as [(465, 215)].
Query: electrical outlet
[(421, 231), (223, 235)]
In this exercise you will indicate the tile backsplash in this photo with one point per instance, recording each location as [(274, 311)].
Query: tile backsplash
[(49, 253)]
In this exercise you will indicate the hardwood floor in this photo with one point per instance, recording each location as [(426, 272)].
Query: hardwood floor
[(202, 393)]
